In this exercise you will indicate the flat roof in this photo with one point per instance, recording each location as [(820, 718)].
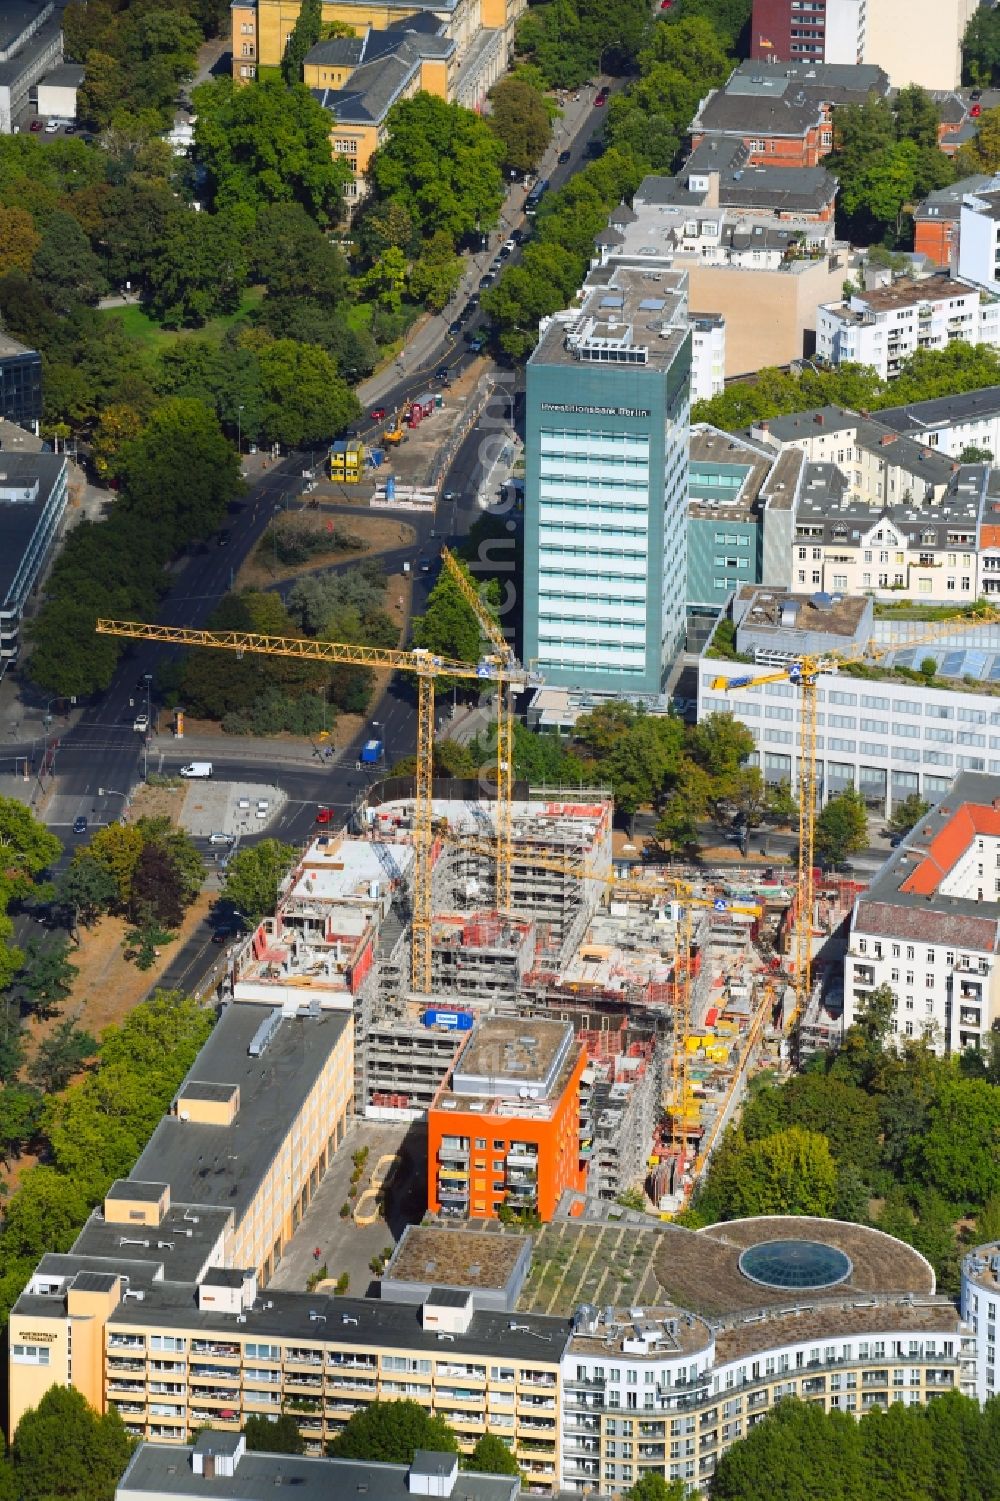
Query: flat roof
[(839, 614), (840, 1320), (136, 1190), (349, 1322), (178, 1248), (700, 1269), (456, 1258), (512, 1050), (634, 311), (910, 293), (341, 869), (224, 1165), (165, 1469)]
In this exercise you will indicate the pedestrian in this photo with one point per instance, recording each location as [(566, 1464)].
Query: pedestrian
[(317, 1253)]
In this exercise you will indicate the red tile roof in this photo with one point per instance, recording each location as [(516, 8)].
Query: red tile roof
[(927, 925), (950, 844)]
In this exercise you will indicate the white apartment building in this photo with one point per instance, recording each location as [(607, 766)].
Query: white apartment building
[(979, 237), (950, 424), (883, 328), (885, 736), (708, 355), (980, 1304), (929, 925)]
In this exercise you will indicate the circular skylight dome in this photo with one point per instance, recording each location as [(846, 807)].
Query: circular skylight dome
[(795, 1264)]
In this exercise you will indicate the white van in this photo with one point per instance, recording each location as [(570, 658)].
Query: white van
[(197, 769)]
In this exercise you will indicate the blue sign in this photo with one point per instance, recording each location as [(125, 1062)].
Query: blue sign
[(719, 904)]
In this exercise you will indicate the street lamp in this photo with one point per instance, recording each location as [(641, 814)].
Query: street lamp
[(239, 429), (113, 792)]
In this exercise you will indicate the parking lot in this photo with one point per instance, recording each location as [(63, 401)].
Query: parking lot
[(344, 1245)]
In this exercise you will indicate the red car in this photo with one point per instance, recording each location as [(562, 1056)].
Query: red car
[(377, 414), (35, 125), (324, 815), (666, 4), (601, 99)]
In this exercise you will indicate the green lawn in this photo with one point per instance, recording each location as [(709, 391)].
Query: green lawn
[(147, 332)]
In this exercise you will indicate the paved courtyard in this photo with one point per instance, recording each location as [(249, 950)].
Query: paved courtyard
[(343, 1244)]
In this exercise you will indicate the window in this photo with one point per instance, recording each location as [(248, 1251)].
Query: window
[(30, 1354)]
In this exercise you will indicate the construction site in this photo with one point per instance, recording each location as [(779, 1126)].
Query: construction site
[(675, 994)]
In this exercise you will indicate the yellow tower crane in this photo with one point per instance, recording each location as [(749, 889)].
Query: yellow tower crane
[(426, 666), (656, 887), (503, 652), (804, 672)]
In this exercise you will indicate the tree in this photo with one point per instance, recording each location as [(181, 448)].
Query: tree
[(19, 239), (789, 1172), (274, 1436), (651, 1486), (20, 1117), (436, 273), (304, 34), (181, 473), (842, 827), (981, 46), (60, 1056), (157, 894), (63, 1448), (491, 1456), (267, 143), (720, 743), (116, 849), (47, 976), (390, 1432), (448, 627), (86, 889), (303, 398), (908, 813), (797, 1451), (441, 163), (26, 847), (959, 1154), (252, 878), (521, 122), (636, 751)]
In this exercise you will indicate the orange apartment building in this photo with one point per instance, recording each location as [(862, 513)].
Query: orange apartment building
[(504, 1128)]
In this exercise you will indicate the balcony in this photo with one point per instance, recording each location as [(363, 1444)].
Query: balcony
[(213, 1347), (126, 1342)]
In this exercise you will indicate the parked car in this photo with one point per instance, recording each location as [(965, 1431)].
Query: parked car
[(602, 98), (224, 537), (455, 328), (219, 838), (564, 157), (37, 125), (221, 935), (511, 243), (487, 280)]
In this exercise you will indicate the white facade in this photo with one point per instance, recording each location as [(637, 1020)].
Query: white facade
[(918, 41), (879, 560), (845, 34), (888, 739), (944, 993), (979, 237), (863, 332), (708, 356), (980, 1304)]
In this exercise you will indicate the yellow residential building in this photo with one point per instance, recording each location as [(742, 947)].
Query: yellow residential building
[(222, 1185)]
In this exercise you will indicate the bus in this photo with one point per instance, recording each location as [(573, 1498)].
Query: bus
[(535, 197)]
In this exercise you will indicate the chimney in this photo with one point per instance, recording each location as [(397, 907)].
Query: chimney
[(712, 196), (818, 418)]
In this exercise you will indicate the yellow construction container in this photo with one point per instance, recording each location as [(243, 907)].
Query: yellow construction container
[(717, 1054), (347, 461), (726, 1029)]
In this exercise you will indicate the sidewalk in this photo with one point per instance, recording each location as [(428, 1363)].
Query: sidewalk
[(237, 748), (431, 331)]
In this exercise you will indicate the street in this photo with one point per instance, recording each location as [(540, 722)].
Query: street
[(93, 765)]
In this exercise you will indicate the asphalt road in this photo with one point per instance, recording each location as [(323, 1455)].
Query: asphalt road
[(100, 759)]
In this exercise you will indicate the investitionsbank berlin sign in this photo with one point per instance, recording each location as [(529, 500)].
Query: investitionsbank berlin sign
[(557, 406)]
